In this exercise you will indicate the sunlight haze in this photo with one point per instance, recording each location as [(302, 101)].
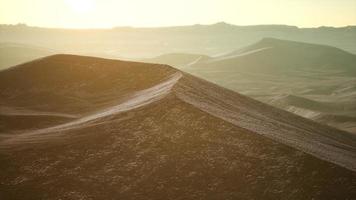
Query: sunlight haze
[(177, 99), (143, 13)]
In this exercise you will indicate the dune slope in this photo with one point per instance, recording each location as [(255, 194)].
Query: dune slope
[(307, 79)]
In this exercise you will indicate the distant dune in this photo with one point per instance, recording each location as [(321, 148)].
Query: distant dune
[(211, 40), (12, 54), (178, 59), (274, 55), (131, 130), (317, 80)]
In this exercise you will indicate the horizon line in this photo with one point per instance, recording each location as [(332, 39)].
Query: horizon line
[(171, 26)]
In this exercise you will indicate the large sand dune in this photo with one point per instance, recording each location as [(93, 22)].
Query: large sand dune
[(148, 131)]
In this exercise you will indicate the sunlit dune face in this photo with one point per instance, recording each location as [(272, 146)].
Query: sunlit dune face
[(81, 6)]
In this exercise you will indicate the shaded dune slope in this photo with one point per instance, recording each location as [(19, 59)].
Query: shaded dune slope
[(146, 131)]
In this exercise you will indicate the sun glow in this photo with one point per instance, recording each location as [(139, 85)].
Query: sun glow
[(148, 13), (81, 6)]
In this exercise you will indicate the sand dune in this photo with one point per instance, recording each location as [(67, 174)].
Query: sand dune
[(12, 54), (138, 99), (149, 131), (306, 79)]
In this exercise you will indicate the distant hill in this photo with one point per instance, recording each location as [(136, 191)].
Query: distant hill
[(211, 40), (12, 54), (274, 55), (177, 59), (133, 130), (312, 76)]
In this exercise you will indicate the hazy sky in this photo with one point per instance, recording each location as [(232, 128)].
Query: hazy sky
[(109, 13)]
